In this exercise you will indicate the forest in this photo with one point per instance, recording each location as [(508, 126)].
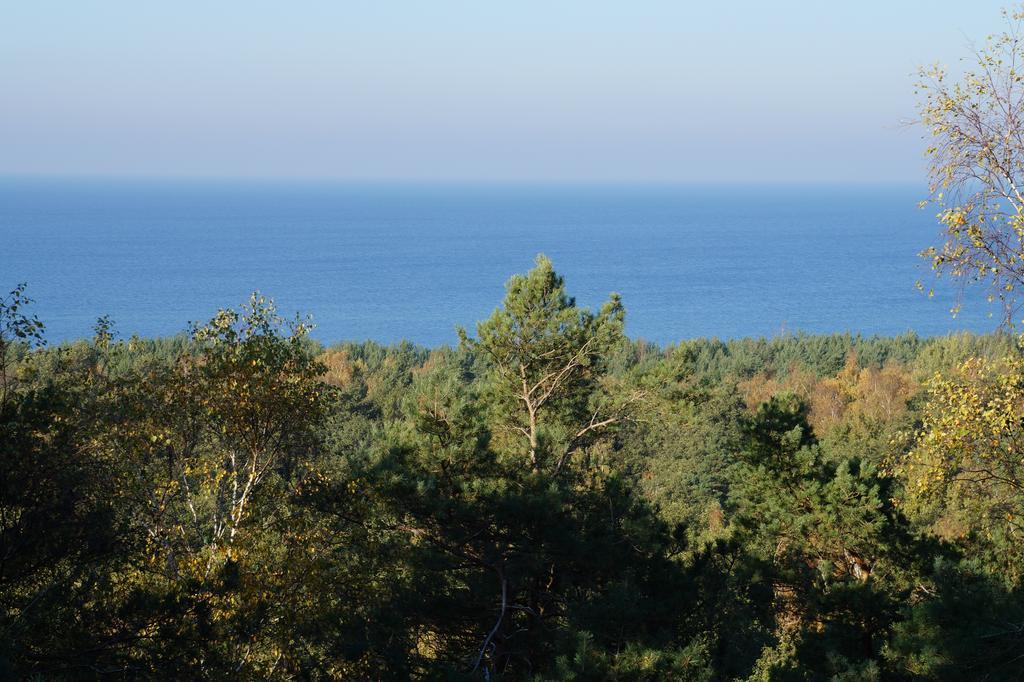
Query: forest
[(548, 500)]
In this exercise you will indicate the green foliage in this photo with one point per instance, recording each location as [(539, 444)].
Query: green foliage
[(831, 544), (969, 628), (544, 360), (549, 500)]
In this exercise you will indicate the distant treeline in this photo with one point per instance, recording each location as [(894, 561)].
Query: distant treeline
[(547, 500)]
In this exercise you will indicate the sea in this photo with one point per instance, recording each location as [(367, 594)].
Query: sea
[(393, 261)]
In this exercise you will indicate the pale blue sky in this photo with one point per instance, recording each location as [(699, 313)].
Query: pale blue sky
[(552, 90)]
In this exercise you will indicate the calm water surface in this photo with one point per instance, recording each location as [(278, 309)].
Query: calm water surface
[(389, 262)]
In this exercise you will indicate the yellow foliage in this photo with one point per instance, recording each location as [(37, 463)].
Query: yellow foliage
[(341, 370), (871, 394), (966, 458)]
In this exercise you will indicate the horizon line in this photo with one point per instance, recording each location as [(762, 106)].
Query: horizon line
[(448, 181)]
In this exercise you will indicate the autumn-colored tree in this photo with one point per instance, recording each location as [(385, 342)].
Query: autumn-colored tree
[(966, 468), (975, 123), (212, 445)]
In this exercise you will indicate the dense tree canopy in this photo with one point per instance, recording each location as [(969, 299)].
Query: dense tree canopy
[(549, 500)]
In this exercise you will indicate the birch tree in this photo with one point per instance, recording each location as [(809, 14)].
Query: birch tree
[(975, 126)]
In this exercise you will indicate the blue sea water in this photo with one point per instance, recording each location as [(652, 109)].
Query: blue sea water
[(391, 262)]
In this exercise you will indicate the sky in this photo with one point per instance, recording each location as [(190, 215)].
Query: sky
[(638, 91)]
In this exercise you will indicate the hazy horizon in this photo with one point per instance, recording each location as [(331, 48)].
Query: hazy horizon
[(468, 182), (452, 92)]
